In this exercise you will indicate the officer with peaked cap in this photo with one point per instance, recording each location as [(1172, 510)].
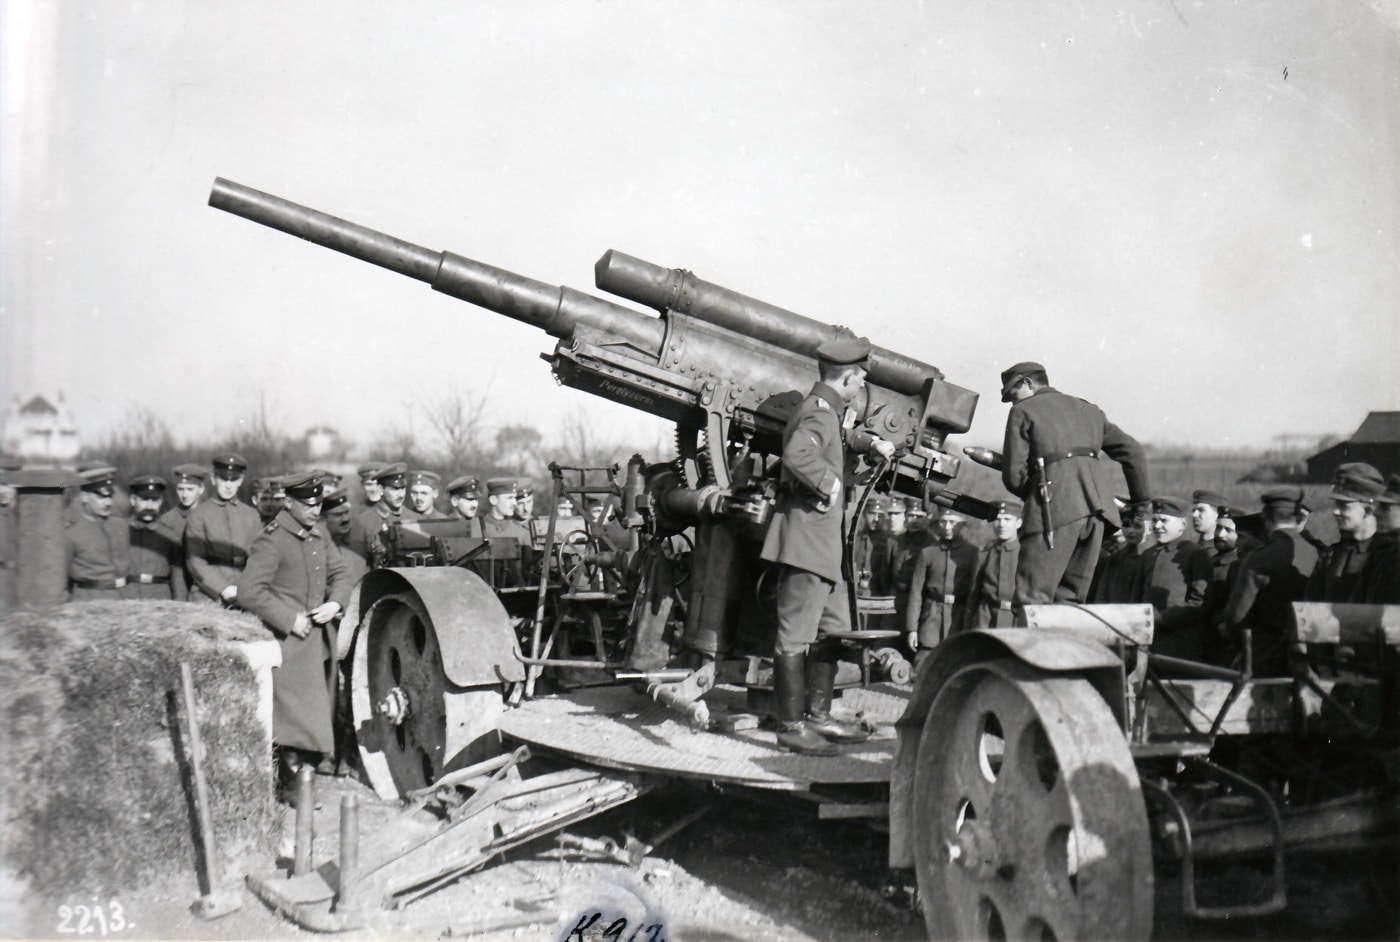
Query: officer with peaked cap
[(219, 533), (189, 490), (1050, 460), (995, 585), (96, 544), (1268, 582), (1379, 582), (154, 554), (1175, 574), (465, 495), (1355, 488), (296, 583), (804, 542)]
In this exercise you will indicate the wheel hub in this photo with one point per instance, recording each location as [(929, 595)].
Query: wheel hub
[(975, 850), (395, 707)]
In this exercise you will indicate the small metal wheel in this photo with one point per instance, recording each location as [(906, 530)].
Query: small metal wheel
[(1028, 814), (410, 719), (576, 572)]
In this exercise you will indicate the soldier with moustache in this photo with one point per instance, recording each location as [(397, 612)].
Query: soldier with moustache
[(1379, 582), (804, 547), (995, 584), (1174, 578), (1050, 460), (96, 543), (464, 493), (1355, 487), (154, 553), (296, 582), (941, 585), (1223, 567), (189, 490), (218, 534), (339, 520)]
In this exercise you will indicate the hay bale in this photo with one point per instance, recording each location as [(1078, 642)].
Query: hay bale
[(97, 786)]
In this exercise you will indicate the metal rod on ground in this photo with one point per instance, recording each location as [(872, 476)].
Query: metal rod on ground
[(346, 901), (306, 819), (214, 903)]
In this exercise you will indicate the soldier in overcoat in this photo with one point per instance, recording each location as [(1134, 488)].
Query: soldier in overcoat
[(1050, 460), (96, 543), (296, 582), (804, 545), (219, 533)]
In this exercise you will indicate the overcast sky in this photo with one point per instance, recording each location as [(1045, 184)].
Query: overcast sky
[(1186, 210)]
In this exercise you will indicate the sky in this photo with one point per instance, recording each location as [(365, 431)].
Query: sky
[(1186, 210)]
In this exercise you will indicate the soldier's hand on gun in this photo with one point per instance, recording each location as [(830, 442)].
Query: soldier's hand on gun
[(229, 594), (301, 627), (324, 612), (883, 448)]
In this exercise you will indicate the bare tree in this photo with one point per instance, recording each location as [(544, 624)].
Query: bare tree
[(518, 448), (457, 417)]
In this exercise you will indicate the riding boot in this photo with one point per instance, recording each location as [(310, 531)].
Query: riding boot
[(821, 685), (789, 692)]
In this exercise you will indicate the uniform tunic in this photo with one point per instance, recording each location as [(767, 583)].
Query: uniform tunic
[(508, 572), (940, 589), (291, 571), (1379, 582), (172, 524), (1174, 578), (1338, 570), (872, 558), (806, 533), (995, 586), (1068, 434), (218, 536), (98, 555), (154, 556), (1268, 582)]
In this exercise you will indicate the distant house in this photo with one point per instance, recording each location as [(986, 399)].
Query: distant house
[(1376, 442), (41, 432), (322, 442)]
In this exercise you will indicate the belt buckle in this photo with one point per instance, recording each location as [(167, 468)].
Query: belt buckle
[(119, 582), (146, 578), (949, 599), (1004, 606)]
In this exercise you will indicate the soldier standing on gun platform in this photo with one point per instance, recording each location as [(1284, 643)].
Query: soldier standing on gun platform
[(1050, 460), (296, 583), (804, 544), (219, 533)]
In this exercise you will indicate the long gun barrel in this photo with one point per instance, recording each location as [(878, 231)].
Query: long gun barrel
[(714, 359)]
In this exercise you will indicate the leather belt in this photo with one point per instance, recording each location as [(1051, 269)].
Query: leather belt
[(147, 578), (1083, 452), (947, 599), (226, 560), (1004, 605), (98, 583)]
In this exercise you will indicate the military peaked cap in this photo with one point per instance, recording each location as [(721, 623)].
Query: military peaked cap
[(525, 490), (335, 498), (429, 478), (465, 485), (1010, 377), (188, 472), (393, 475), (1212, 498), (1391, 494), (879, 504), (1283, 495), (1009, 505), (304, 486), (845, 351), (99, 480), (369, 469), (1171, 506), (230, 465), (913, 505), (1357, 481), (498, 486), (146, 485)]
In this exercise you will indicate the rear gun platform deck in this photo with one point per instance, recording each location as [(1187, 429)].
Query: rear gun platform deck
[(618, 728)]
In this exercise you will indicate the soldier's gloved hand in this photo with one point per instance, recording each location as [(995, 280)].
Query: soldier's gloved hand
[(229, 594), (302, 626), (325, 612), (912, 640), (883, 448)]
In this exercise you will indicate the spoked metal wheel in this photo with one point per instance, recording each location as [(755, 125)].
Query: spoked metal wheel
[(1029, 818), (412, 722)]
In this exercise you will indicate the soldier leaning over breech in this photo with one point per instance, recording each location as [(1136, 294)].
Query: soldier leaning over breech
[(804, 544), (96, 544), (296, 583), (1050, 459), (219, 533), (154, 554)]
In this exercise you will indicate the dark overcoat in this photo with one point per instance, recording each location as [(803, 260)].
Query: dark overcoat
[(1174, 579), (290, 571), (996, 585), (218, 536), (940, 589)]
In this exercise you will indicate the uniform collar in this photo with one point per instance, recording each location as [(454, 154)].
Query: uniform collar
[(833, 399), (286, 521)]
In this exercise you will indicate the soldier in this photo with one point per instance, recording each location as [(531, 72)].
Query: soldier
[(367, 538), (465, 495), (268, 497), (96, 544), (1379, 583), (1269, 581), (219, 533), (296, 583), (804, 545), (1174, 577), (525, 503), (154, 553), (1224, 566), (121, 504), (189, 490), (1116, 576), (1205, 512), (1355, 487), (940, 586), (898, 517), (871, 557), (500, 520), (373, 490), (422, 495), (995, 585), (340, 521), (566, 507), (1050, 460)]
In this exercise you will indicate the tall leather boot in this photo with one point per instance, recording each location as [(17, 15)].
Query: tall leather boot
[(821, 686), (789, 694)]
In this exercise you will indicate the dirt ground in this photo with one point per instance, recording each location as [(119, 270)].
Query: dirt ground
[(748, 870)]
